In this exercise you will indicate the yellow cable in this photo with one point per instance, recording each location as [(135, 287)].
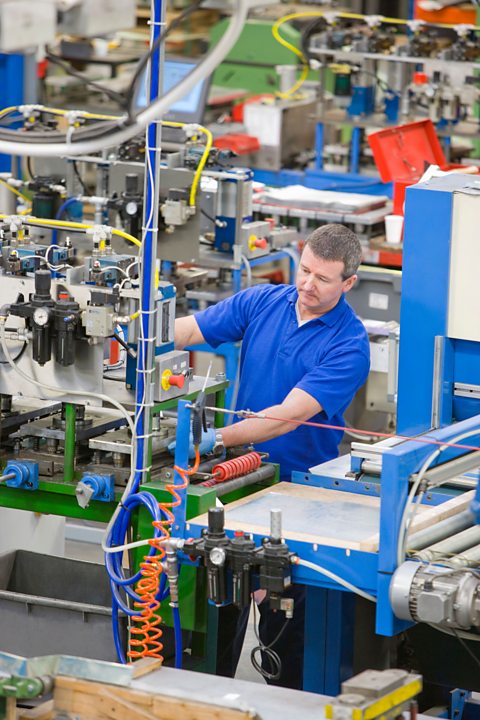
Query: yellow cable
[(204, 158), (126, 236), (14, 190), (66, 224), (8, 110), (293, 49), (345, 15)]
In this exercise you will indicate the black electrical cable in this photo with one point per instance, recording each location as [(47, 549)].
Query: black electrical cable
[(79, 178), (124, 345), (130, 93), (272, 657), (306, 33), (18, 356), (465, 647), (208, 216), (115, 96), (29, 168)]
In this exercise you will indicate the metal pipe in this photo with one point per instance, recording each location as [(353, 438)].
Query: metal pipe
[(8, 476), (470, 557), (263, 473), (452, 545), (69, 449), (442, 530)]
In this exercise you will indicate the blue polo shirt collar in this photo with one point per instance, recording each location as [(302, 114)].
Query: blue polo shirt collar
[(331, 317)]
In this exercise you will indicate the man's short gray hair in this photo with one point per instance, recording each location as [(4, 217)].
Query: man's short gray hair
[(336, 242)]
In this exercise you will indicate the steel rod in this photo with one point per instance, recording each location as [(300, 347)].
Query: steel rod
[(452, 545), (442, 530)]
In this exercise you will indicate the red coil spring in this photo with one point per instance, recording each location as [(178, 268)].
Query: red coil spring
[(234, 468)]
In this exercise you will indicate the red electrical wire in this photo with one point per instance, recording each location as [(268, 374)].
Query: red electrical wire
[(325, 426), (145, 636)]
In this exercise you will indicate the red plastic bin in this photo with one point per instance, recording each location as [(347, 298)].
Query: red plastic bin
[(403, 153)]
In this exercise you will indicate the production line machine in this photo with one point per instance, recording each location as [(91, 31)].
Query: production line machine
[(406, 549)]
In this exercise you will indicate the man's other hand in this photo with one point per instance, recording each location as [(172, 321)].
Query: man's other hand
[(208, 442)]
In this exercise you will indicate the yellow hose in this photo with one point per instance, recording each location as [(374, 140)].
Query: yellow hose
[(67, 224), (204, 158), (345, 15), (14, 190)]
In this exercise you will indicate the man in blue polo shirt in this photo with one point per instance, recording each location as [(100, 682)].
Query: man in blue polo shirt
[(304, 355)]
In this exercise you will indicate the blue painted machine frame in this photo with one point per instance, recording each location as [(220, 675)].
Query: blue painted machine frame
[(326, 632)]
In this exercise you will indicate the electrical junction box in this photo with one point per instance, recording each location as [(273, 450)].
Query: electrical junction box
[(88, 18), (172, 375), (25, 24)]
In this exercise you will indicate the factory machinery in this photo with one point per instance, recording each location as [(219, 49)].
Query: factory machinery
[(375, 72), (79, 444)]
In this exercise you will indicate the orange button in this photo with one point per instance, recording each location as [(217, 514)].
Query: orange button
[(177, 380)]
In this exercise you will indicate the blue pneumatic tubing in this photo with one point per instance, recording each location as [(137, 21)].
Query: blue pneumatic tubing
[(178, 638), (63, 208), (116, 635)]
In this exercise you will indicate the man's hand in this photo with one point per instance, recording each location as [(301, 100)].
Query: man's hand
[(207, 444)]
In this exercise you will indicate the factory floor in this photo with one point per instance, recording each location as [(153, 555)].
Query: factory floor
[(92, 552)]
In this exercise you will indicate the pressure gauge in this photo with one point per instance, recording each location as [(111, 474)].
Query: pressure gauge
[(217, 556), (41, 316), (131, 208)]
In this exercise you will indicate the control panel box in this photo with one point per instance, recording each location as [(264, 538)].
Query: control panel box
[(172, 375)]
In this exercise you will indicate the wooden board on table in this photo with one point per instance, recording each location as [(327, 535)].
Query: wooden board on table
[(305, 512), (96, 701), (428, 515), (357, 516)]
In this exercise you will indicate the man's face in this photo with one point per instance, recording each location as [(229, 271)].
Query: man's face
[(320, 283)]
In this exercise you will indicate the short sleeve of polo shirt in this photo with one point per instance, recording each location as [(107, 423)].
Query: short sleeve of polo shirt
[(227, 320), (338, 376)]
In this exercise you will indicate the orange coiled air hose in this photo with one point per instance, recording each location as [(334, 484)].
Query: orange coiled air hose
[(145, 636)]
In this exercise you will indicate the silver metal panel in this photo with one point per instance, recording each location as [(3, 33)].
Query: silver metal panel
[(25, 24), (91, 17), (87, 372)]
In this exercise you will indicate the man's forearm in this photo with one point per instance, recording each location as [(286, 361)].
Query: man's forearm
[(252, 430)]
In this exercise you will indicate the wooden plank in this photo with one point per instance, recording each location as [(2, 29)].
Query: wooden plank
[(117, 708), (96, 701), (145, 666), (11, 708), (305, 492), (41, 712), (427, 516)]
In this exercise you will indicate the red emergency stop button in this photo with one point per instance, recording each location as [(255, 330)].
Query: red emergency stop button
[(177, 380)]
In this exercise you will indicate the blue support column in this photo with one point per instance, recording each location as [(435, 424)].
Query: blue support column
[(328, 654), (355, 146), (319, 139), (12, 73)]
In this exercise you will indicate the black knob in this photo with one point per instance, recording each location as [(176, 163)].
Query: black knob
[(43, 284), (216, 520)]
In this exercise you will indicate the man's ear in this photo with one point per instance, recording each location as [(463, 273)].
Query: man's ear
[(349, 283)]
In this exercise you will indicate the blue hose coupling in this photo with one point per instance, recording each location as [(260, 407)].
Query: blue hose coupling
[(25, 474), (100, 487)]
